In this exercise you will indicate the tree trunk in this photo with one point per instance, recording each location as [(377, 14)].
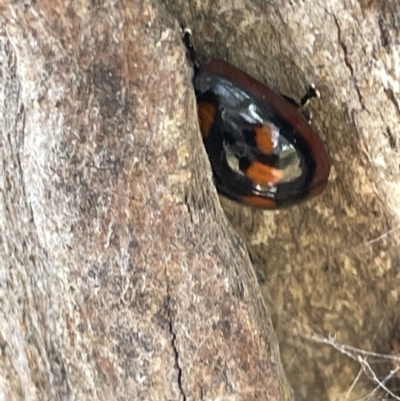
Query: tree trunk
[(331, 265), (120, 276)]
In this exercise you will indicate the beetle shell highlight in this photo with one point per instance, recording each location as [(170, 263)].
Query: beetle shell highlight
[(262, 150)]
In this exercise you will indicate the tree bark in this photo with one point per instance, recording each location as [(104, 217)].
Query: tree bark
[(331, 265), (120, 277)]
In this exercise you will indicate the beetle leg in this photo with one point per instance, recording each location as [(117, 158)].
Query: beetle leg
[(187, 40), (311, 93), (291, 101)]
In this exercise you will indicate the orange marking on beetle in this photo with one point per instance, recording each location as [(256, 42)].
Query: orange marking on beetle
[(263, 174), (264, 138), (206, 113), (258, 201)]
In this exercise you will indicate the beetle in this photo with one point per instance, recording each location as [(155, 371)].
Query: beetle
[(262, 150)]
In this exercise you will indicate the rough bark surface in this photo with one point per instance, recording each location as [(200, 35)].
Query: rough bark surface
[(330, 266), (120, 278)]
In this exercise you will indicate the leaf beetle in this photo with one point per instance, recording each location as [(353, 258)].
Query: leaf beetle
[(263, 151)]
